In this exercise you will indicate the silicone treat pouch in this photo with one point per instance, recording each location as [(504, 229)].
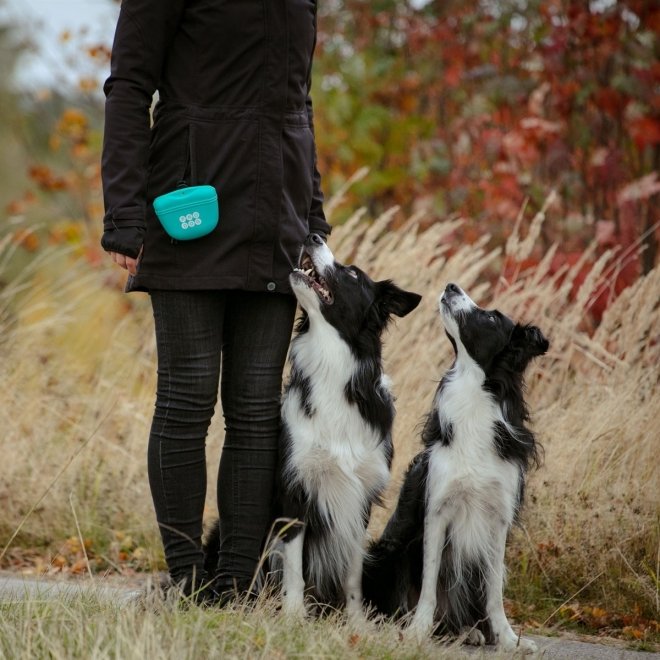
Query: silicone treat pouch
[(188, 213)]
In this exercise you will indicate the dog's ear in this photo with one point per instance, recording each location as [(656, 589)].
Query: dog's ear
[(393, 300), (527, 341)]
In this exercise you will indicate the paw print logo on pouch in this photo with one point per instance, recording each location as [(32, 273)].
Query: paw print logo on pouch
[(190, 220)]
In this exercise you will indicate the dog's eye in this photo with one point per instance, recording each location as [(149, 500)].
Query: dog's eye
[(352, 273), (491, 318)]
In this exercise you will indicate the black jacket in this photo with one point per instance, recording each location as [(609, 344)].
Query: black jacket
[(234, 111)]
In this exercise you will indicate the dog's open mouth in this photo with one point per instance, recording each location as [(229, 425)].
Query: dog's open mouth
[(315, 281)]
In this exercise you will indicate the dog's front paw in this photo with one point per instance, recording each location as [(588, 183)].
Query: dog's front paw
[(294, 606), (354, 612), (527, 646), (509, 641), (422, 624), (474, 637)]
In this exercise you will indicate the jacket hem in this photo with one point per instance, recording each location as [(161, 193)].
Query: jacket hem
[(145, 283)]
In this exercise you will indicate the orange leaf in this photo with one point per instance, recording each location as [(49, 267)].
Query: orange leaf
[(27, 239), (353, 640), (79, 566)]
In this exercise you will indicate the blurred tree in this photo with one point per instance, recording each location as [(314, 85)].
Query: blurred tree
[(11, 150), (472, 107), (478, 108), (51, 190)]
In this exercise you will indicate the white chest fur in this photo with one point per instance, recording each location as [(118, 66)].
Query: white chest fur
[(468, 482), (336, 454)]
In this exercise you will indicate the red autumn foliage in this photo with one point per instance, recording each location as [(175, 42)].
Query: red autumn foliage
[(475, 107), (45, 179)]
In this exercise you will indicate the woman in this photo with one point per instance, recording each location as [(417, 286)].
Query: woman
[(234, 111)]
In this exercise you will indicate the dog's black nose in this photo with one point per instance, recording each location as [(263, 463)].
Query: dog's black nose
[(313, 239), (452, 288)]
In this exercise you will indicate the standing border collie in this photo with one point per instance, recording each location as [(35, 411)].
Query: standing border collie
[(337, 414), (442, 552)]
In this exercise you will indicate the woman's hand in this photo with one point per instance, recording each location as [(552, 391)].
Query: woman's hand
[(127, 263), (124, 245)]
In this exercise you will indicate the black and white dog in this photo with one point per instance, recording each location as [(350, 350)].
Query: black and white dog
[(442, 552), (337, 414)]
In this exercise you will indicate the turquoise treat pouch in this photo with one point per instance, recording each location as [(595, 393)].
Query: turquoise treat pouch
[(188, 212)]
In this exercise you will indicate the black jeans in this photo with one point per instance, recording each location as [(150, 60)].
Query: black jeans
[(194, 329)]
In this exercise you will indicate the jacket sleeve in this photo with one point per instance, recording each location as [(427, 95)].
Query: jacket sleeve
[(317, 221), (144, 31)]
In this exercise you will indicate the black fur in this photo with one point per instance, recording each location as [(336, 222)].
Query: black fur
[(302, 383), (433, 432)]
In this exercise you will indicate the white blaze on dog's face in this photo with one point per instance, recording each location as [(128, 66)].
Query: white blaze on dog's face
[(453, 303), (479, 333)]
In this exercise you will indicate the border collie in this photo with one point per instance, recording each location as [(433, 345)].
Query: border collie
[(442, 552), (337, 414)]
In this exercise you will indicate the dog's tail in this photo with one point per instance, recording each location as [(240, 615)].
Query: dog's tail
[(391, 575), (385, 579)]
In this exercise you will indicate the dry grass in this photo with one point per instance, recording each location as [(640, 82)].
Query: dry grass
[(91, 629), (77, 379)]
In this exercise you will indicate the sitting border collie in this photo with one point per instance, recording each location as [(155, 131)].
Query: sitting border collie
[(337, 414), (442, 552)]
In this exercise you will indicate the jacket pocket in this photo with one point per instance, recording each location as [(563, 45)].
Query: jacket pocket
[(169, 156), (225, 154), (298, 164)]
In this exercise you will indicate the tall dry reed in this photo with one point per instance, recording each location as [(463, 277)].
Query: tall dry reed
[(77, 382)]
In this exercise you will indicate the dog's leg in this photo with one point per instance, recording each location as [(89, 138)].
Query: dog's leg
[(353, 584), (505, 636), (435, 532), (293, 580)]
